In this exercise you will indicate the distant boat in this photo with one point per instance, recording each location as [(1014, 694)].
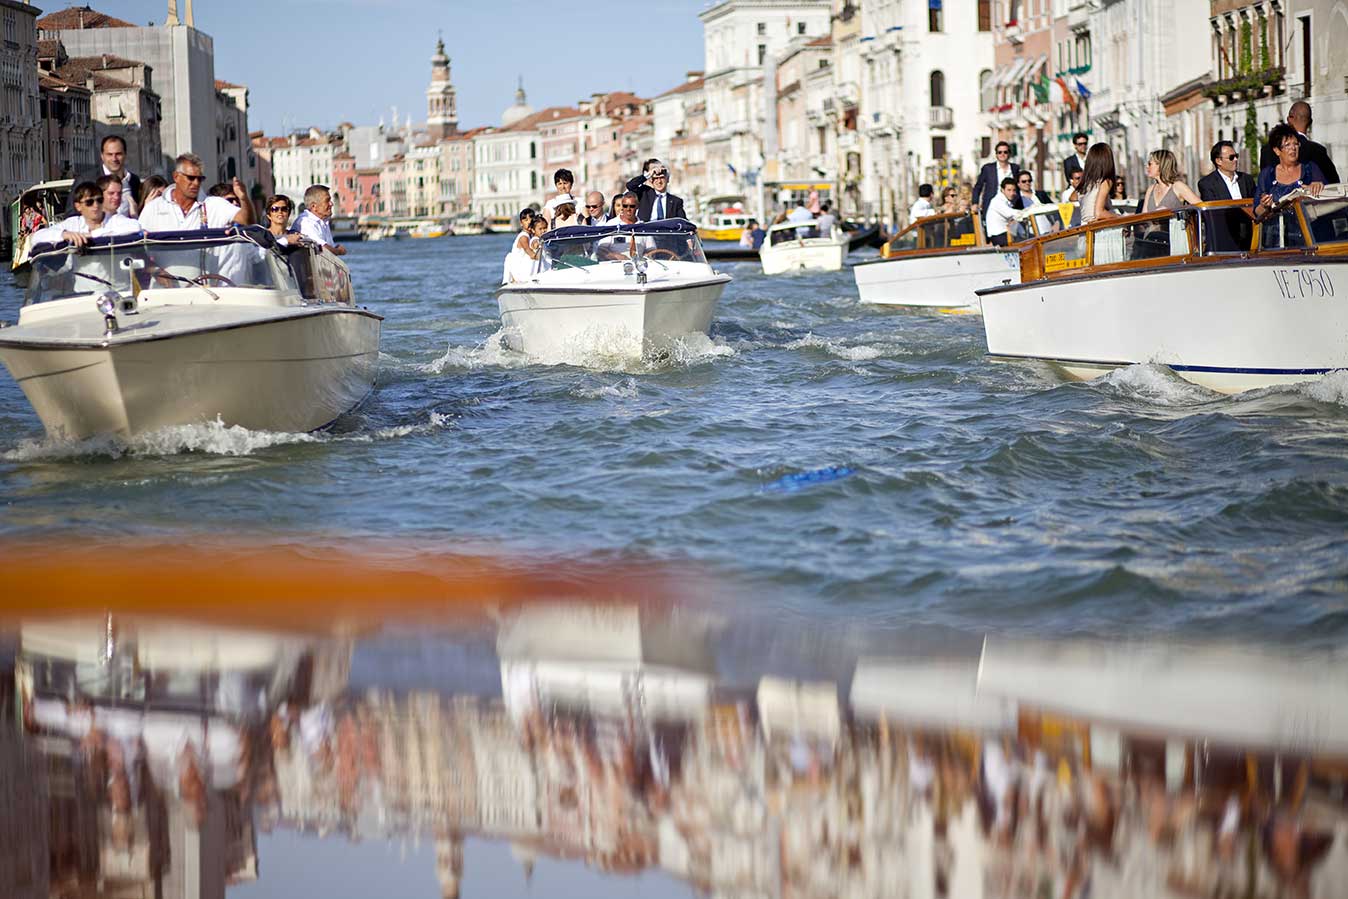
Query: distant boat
[(499, 224), (429, 229), (789, 248), (466, 225), (48, 198), (345, 229), (728, 224)]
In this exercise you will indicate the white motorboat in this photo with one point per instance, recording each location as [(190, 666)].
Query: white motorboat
[(633, 288), (134, 333), (465, 224), (48, 201), (1226, 303), (938, 261), (789, 247)]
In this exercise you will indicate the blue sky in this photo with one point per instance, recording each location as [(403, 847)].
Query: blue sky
[(321, 61)]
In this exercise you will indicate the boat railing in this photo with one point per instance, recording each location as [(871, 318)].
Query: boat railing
[(1142, 240), (945, 231)]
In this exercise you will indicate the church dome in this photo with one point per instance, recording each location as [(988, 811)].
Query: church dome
[(521, 109)]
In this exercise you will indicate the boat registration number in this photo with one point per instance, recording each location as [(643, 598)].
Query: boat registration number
[(1057, 262), (1303, 283)]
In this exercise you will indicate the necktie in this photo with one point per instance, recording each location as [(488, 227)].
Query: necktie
[(659, 206)]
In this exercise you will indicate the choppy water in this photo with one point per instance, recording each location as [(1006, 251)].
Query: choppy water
[(980, 495)]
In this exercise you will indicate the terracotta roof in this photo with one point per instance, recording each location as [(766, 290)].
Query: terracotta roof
[(695, 85), (825, 41), (48, 49), (108, 83), (225, 85), (75, 18), (104, 61), (51, 82), (543, 116), (622, 98)]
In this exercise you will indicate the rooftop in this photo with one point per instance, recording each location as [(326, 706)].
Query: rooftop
[(76, 18)]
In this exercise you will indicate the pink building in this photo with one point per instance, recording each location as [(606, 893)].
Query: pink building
[(562, 138), (368, 195), (344, 183)]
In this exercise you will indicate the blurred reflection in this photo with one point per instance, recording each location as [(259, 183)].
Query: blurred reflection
[(151, 753)]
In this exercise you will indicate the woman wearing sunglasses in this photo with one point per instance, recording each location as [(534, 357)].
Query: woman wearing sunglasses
[(278, 219), (90, 220)]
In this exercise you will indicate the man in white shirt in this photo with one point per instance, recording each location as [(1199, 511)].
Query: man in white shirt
[(922, 208), (826, 220), (91, 220), (181, 207), (312, 223), (618, 246), (1001, 212)]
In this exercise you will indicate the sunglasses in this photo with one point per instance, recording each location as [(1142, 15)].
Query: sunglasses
[(92, 201), (1081, 143), (659, 174), (1003, 152), (1232, 158), (628, 206), (278, 208), (195, 179)]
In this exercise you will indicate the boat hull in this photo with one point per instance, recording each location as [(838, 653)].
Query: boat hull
[(1225, 326), (295, 373), (548, 321), (947, 281), (796, 256)]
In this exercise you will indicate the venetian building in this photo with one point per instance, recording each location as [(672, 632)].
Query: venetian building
[(442, 117)]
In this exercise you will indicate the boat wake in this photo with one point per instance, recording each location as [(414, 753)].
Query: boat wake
[(860, 353), (1332, 388), (1154, 384), (598, 351), (210, 438)]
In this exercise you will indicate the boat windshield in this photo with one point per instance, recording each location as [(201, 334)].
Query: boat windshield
[(1327, 219), (579, 247), (937, 233), (163, 262)]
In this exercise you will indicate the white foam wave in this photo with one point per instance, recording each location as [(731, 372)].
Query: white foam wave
[(859, 353), (626, 389), (210, 438), (598, 350), (1332, 388), (1156, 384), (437, 421)]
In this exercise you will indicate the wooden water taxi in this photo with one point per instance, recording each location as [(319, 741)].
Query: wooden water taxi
[(1226, 302), (938, 261)]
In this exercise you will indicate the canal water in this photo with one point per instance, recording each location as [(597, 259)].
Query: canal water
[(963, 494)]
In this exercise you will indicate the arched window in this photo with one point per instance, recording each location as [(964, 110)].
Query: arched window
[(937, 88), (986, 98)]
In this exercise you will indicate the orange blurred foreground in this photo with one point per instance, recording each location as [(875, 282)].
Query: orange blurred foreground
[(314, 586)]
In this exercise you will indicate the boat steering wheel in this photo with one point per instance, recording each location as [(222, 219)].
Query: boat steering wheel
[(211, 276), (661, 253)]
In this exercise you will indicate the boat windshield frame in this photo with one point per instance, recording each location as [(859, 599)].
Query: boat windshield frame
[(580, 246), (237, 256), (923, 233)]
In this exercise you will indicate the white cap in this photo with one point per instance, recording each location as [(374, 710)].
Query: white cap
[(560, 200)]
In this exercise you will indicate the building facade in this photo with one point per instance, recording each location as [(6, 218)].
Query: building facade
[(67, 125), (234, 149), (302, 162), (442, 114), (22, 136)]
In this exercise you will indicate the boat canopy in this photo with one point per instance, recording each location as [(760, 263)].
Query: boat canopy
[(590, 232), (255, 234)]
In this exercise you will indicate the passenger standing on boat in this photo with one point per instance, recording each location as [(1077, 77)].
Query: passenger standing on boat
[(756, 234), (181, 207), (563, 180), (826, 220), (652, 190), (594, 209), (112, 161), (1299, 118), (922, 207), (1097, 183), (312, 223), (993, 174), (1076, 161), (1226, 181), (91, 221), (110, 186), (1002, 212), (1167, 191), (1277, 181)]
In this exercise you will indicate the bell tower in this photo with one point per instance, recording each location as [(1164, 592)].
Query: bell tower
[(442, 115)]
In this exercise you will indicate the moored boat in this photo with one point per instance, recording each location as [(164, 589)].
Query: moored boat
[(635, 288), (428, 229), (789, 247), (346, 229), (937, 262), (133, 333), (466, 225), (729, 224), (1225, 302)]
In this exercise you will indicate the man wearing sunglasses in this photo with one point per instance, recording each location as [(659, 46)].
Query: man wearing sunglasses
[(592, 213), (1077, 161), (182, 208), (1226, 182), (618, 246), (90, 220), (990, 179), (652, 190)]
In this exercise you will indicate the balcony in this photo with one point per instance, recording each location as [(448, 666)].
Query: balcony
[(1269, 82), (941, 117), (1014, 33), (1079, 19)]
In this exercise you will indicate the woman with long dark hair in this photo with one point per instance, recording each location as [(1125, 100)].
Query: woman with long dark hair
[(1097, 183)]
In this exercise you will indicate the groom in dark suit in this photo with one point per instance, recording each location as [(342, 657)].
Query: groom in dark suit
[(990, 179), (652, 190)]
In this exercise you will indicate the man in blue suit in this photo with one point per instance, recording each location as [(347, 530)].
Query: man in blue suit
[(993, 174), (652, 189)]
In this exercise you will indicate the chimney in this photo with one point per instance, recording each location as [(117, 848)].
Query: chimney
[(190, 23), (693, 75), (172, 14)]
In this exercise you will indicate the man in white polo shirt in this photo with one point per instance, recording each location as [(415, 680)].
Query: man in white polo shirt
[(181, 207), (313, 221)]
